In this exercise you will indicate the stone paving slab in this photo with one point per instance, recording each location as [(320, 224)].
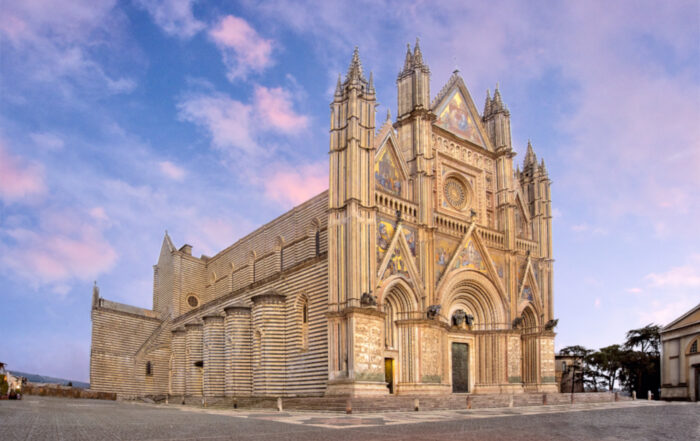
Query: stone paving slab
[(333, 420), (47, 418)]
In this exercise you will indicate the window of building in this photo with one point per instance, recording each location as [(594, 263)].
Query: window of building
[(318, 242), (694, 347), (149, 368), (193, 301), (304, 312)]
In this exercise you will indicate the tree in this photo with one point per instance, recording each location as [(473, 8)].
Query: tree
[(641, 362), (607, 362), (589, 373)]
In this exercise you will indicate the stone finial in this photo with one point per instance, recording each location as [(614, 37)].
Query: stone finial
[(338, 88), (417, 54), (388, 114), (409, 59), (95, 294), (487, 104), (371, 82), (543, 169), (355, 68), (530, 157)]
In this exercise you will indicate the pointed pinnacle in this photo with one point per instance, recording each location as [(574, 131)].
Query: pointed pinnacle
[(355, 68), (417, 54), (338, 89), (371, 81), (530, 157), (388, 114), (487, 104), (409, 58)]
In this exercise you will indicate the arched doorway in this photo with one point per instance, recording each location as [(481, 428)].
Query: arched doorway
[(399, 303), (477, 314), (530, 347)]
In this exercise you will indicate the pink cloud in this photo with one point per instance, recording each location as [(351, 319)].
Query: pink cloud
[(683, 276), (294, 185), (54, 256), (242, 47), (19, 178), (274, 107), (171, 170)]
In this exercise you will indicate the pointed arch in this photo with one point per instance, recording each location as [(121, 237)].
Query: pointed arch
[(529, 291), (476, 294), (398, 262)]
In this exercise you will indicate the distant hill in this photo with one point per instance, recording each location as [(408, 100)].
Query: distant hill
[(34, 378)]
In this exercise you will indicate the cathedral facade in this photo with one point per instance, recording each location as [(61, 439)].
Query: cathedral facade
[(425, 268)]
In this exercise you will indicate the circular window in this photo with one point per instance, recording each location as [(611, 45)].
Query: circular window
[(192, 301), (456, 193)]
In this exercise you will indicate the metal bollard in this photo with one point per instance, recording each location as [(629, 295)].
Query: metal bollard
[(616, 398), (235, 403), (634, 395), (544, 399), (279, 404), (510, 401), (650, 396), (416, 404), (348, 406), (469, 401)]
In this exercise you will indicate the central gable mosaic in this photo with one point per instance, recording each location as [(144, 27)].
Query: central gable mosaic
[(455, 117), (386, 173)]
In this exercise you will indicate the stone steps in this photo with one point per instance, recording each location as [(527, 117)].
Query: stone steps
[(406, 403)]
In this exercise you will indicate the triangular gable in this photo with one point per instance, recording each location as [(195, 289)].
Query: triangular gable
[(397, 261), (444, 250), (385, 235), (390, 170), (473, 254), (521, 205), (690, 317), (528, 289), (457, 113)]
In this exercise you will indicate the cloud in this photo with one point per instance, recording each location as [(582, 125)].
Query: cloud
[(684, 276), (63, 250), (47, 141), (229, 122), (235, 126), (292, 185), (19, 178), (274, 106), (175, 17), (242, 48), (171, 170), (634, 290), (59, 48)]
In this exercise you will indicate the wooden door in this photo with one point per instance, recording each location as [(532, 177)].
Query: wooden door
[(389, 374)]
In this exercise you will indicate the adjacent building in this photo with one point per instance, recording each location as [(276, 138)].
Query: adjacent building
[(425, 268), (680, 358)]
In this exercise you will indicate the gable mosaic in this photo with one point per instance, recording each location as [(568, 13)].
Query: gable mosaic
[(408, 276)]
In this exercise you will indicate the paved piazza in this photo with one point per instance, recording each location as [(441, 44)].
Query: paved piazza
[(43, 418)]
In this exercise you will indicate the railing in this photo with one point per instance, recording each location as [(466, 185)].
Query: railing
[(449, 225), (392, 204), (492, 238), (526, 245)]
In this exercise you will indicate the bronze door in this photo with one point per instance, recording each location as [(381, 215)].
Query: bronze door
[(460, 367), (389, 374)]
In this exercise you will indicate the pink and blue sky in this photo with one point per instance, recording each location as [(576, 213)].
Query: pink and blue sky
[(119, 120)]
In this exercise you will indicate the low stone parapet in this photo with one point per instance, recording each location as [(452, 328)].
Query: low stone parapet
[(55, 390)]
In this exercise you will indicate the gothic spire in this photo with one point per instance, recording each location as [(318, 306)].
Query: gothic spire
[(530, 157), (355, 68), (417, 54), (371, 82), (487, 104), (388, 114), (338, 89), (409, 58)]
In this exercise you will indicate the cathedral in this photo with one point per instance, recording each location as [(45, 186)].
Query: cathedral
[(425, 268)]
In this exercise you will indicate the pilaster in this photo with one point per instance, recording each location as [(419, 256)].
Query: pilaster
[(194, 357), (238, 344), (213, 356)]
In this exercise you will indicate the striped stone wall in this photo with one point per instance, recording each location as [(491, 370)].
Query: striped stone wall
[(194, 352), (116, 337), (179, 362), (213, 342), (237, 348), (268, 318)]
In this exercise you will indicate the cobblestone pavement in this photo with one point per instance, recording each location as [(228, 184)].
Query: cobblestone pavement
[(43, 418)]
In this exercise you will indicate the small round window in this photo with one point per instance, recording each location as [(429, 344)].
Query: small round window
[(192, 301), (456, 193)]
